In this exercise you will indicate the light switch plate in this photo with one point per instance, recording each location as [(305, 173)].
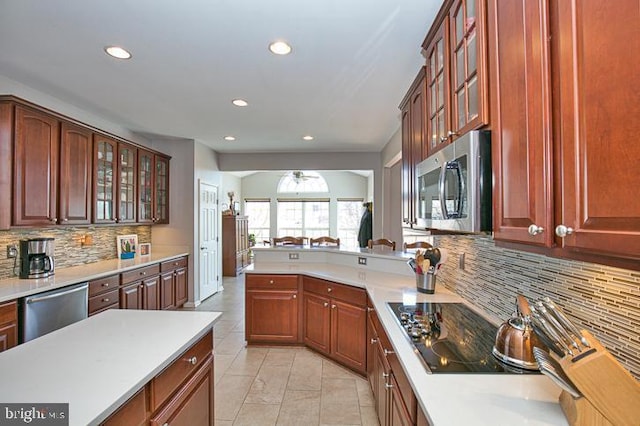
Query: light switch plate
[(12, 251), (294, 256), (362, 261)]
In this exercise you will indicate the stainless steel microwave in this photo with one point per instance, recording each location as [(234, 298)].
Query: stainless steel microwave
[(453, 189)]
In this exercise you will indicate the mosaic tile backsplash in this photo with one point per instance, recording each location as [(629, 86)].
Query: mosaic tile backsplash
[(601, 299), (68, 251)]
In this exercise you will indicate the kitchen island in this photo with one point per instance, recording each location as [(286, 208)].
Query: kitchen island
[(446, 399), (97, 364)]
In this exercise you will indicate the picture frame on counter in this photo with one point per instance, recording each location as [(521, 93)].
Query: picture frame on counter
[(145, 249), (127, 246)]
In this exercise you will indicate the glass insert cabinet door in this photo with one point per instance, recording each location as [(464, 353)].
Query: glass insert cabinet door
[(145, 187), (161, 200), (126, 183), (105, 154)]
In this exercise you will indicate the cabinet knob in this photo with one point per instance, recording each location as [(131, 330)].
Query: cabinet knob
[(295, 296), (333, 306), (370, 309), (193, 360), (326, 304), (117, 219), (105, 284), (451, 133), (388, 385), (374, 341), (270, 281), (105, 300), (387, 352), (65, 219), (329, 290), (443, 138), (562, 231), (385, 375), (143, 273), (53, 219), (535, 230)]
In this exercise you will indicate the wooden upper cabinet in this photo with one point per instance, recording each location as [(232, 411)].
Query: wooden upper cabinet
[(469, 106), (437, 77), (161, 189), (35, 178), (521, 120), (413, 108), (126, 184), (105, 157), (145, 186), (597, 50), (76, 174)]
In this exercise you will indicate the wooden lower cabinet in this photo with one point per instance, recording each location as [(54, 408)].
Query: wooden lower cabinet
[(182, 394), (335, 321), (167, 291), (181, 286), (422, 418), (8, 325), (272, 309), (151, 293), (317, 320), (173, 283), (131, 296), (398, 414)]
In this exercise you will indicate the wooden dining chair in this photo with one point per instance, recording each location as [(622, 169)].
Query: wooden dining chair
[(325, 241), (416, 245), (382, 242), (288, 241)]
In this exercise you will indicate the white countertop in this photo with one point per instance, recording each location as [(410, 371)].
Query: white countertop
[(448, 399), (96, 364), (13, 288)]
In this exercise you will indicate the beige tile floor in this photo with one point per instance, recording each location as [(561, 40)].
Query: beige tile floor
[(278, 385)]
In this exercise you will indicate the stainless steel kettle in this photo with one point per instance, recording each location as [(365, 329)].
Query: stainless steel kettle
[(516, 339)]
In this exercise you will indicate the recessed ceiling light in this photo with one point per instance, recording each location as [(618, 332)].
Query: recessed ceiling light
[(117, 52), (240, 102), (280, 48), (308, 138), (229, 138)]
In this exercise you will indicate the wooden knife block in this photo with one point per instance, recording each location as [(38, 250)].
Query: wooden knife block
[(611, 395)]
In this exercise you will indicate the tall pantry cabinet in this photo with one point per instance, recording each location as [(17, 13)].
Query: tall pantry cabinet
[(235, 244)]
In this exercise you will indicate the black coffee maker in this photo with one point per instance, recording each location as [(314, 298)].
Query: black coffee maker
[(36, 258)]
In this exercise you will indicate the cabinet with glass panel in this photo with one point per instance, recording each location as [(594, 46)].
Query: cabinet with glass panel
[(105, 151), (153, 187), (455, 48)]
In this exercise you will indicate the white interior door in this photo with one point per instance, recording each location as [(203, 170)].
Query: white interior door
[(208, 241)]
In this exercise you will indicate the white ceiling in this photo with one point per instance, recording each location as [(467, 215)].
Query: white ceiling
[(352, 62)]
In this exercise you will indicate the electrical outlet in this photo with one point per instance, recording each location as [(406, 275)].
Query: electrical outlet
[(12, 251), (461, 261), (294, 256), (362, 261)]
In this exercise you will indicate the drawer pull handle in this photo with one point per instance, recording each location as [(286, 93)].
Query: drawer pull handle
[(374, 341), (387, 352), (105, 300), (193, 360)]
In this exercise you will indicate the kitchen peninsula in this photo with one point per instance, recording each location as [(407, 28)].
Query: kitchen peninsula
[(445, 399), (161, 359)]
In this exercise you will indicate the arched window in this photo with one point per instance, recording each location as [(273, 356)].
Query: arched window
[(298, 181)]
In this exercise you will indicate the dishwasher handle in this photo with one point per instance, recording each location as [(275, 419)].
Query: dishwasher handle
[(52, 296)]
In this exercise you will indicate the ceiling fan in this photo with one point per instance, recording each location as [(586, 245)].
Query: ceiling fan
[(299, 176)]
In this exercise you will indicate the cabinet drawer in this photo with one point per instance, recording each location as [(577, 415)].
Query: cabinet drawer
[(171, 265), (9, 312), (346, 293), (266, 282), (165, 383), (103, 300), (103, 285), (140, 273), (133, 412)]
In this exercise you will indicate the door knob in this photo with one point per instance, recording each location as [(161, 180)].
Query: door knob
[(562, 231), (535, 230), (203, 248)]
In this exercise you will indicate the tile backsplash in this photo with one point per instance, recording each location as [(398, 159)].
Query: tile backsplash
[(602, 299), (68, 250)]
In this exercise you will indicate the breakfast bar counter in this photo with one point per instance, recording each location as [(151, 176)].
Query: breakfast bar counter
[(97, 364)]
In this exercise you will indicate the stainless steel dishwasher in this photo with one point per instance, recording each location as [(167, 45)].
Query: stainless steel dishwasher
[(43, 313)]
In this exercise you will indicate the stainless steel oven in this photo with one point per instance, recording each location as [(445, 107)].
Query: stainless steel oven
[(454, 186)]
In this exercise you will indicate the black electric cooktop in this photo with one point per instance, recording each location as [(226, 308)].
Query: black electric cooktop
[(451, 338)]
